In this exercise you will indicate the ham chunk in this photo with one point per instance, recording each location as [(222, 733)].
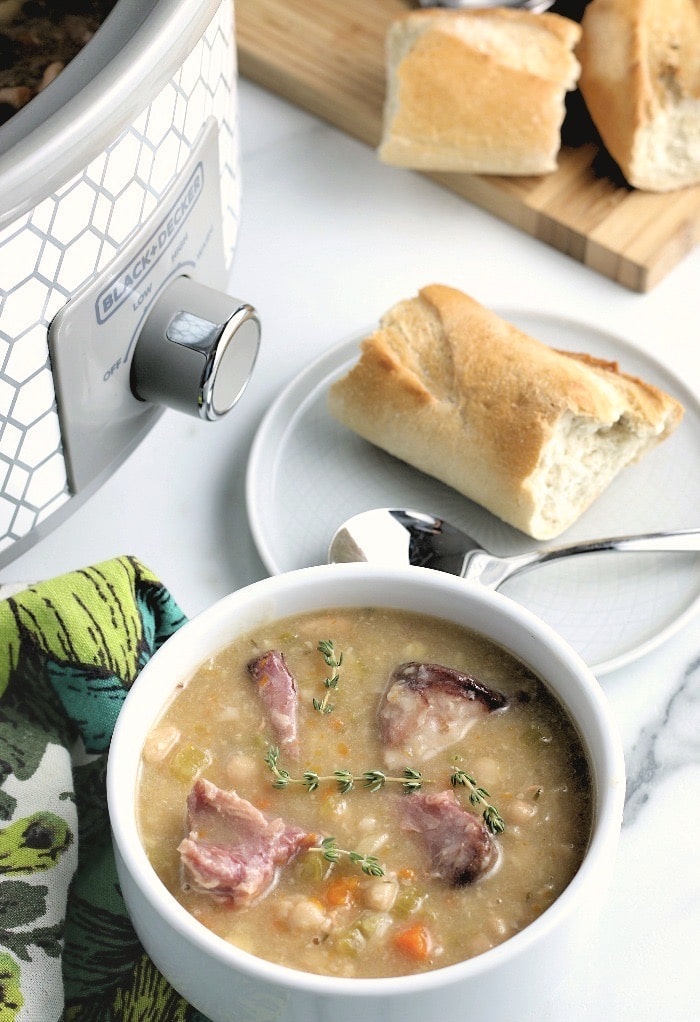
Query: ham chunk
[(278, 691), (459, 844), (233, 851), (425, 708)]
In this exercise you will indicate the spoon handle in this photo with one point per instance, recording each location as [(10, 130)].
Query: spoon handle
[(492, 571), (531, 5)]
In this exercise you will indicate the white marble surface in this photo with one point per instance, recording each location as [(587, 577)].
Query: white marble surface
[(330, 239)]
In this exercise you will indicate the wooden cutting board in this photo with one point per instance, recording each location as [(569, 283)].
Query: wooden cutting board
[(327, 56)]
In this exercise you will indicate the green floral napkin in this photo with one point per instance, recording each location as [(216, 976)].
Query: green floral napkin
[(70, 648)]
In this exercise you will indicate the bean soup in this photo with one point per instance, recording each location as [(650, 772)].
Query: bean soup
[(365, 792)]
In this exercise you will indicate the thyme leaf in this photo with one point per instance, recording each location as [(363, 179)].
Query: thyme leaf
[(479, 796), (327, 651), (411, 780), (369, 864), (281, 777)]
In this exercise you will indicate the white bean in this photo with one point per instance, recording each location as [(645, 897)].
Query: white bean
[(380, 893), (520, 810), (486, 770), (303, 915), (240, 767), (367, 824), (372, 843), (160, 742), (415, 650)]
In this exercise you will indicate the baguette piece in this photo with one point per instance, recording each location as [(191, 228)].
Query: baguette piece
[(477, 91), (531, 433), (640, 80)]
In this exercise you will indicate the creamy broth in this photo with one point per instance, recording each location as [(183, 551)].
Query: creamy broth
[(332, 917)]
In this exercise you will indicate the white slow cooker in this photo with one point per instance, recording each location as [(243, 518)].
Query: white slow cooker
[(119, 208)]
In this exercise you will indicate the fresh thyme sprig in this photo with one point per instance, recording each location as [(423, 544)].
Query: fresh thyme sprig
[(479, 796), (369, 864), (410, 779), (327, 650)]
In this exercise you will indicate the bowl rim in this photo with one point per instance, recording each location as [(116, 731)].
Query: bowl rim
[(609, 767)]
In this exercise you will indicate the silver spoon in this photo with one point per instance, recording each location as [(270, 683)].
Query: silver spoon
[(531, 5), (394, 536)]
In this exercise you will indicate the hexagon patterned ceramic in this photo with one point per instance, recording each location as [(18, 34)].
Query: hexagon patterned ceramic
[(70, 238)]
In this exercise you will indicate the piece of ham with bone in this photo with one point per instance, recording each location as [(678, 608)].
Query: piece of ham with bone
[(233, 851), (426, 708), (458, 843)]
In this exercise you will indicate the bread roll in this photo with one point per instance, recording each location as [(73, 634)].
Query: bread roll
[(531, 433), (640, 80), (479, 91)]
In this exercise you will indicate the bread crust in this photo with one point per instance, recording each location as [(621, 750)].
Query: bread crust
[(460, 393), (477, 91), (640, 79)]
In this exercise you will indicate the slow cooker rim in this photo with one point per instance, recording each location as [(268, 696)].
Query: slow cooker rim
[(96, 111)]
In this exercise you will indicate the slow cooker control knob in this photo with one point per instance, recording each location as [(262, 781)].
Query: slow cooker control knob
[(196, 350)]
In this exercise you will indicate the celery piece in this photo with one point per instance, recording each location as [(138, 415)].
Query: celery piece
[(189, 761)]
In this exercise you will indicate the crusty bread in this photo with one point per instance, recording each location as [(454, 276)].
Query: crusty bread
[(531, 433), (640, 80), (478, 91)]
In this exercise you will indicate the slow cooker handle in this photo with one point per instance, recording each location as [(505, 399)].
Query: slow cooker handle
[(196, 350)]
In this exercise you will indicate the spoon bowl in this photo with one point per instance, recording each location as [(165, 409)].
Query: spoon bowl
[(396, 536)]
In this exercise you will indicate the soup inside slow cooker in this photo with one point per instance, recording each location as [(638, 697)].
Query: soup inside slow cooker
[(363, 793), (38, 38)]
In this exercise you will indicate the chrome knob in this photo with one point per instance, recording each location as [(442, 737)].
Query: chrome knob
[(196, 350)]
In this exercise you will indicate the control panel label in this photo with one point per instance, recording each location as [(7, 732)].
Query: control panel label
[(131, 279)]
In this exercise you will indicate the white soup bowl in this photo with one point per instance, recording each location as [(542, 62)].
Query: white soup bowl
[(230, 985)]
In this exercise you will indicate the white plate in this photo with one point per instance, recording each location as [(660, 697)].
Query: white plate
[(307, 474)]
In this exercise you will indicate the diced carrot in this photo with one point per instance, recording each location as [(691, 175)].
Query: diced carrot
[(342, 891), (406, 874), (342, 749), (414, 941)]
